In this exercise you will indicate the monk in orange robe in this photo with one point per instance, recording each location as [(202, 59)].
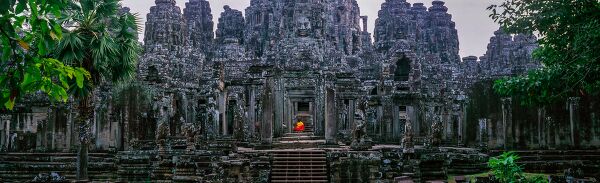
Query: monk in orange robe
[(299, 127)]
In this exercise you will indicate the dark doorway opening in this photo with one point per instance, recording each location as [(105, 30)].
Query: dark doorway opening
[(303, 107)]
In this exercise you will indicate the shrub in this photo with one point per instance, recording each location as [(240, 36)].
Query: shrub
[(505, 168)]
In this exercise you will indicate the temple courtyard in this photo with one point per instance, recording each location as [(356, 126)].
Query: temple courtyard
[(301, 91)]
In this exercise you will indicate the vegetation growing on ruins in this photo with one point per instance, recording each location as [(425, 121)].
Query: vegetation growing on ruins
[(506, 170), (505, 167), (569, 34), (29, 30)]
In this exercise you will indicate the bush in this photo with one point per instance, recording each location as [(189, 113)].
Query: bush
[(506, 170), (505, 167)]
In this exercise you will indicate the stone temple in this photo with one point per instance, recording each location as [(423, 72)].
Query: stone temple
[(396, 104)]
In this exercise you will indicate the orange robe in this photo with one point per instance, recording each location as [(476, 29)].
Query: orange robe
[(299, 127)]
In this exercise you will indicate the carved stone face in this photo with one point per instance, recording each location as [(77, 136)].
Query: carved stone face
[(303, 25)]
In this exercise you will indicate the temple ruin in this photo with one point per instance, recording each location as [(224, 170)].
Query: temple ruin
[(223, 106)]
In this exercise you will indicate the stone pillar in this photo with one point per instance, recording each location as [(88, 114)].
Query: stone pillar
[(507, 122), (223, 112), (463, 124), (379, 123), (541, 126), (395, 121), (351, 113), (482, 132), (447, 124), (267, 113), (278, 109), (330, 117), (286, 115), (5, 139), (573, 118), (69, 130), (252, 111), (365, 23), (52, 127), (290, 115)]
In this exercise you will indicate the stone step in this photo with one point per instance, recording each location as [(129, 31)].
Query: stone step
[(298, 172), (307, 144), (299, 166), (300, 155), (299, 177), (312, 157), (295, 134), (311, 166), (299, 181), (295, 138)]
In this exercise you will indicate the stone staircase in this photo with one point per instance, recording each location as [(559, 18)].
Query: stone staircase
[(299, 140), (302, 140), (134, 167), (23, 167), (299, 166)]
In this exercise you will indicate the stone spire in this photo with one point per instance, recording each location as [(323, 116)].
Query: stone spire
[(401, 26), (260, 27), (393, 23), (230, 27), (344, 26), (199, 19), (165, 26), (508, 55), (443, 33)]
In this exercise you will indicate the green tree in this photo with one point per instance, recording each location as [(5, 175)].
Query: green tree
[(28, 31), (102, 40), (569, 32)]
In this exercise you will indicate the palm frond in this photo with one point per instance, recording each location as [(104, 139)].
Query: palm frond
[(70, 48), (102, 40)]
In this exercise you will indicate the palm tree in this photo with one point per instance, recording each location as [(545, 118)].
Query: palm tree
[(103, 40)]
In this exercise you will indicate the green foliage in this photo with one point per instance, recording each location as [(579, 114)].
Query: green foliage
[(569, 41), (102, 40), (505, 167), (29, 29)]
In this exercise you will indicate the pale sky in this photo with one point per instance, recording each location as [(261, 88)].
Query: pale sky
[(474, 26)]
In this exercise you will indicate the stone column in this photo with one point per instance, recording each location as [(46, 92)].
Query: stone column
[(379, 123), (69, 130), (365, 21), (5, 122), (482, 134), (540, 126), (351, 113), (267, 112), (252, 111), (330, 117), (507, 122), (223, 112), (52, 127), (286, 114), (277, 109), (290, 115), (448, 127), (573, 118), (396, 121)]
